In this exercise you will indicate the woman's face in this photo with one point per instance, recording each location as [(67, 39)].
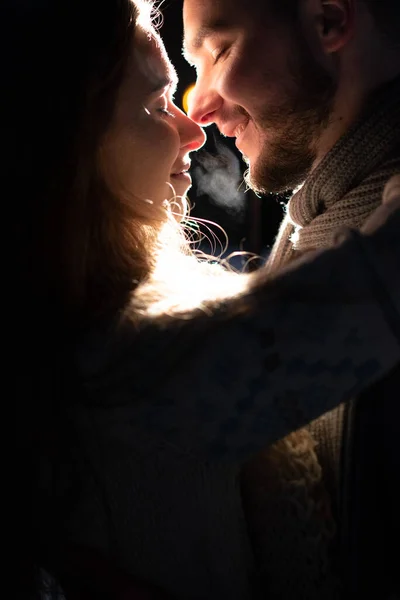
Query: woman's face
[(145, 154)]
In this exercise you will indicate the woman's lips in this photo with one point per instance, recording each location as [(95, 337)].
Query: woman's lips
[(183, 177)]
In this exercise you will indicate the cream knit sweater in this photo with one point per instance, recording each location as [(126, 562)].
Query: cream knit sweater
[(175, 410)]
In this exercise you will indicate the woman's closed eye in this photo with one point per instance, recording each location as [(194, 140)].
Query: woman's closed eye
[(165, 112), (162, 107), (159, 106)]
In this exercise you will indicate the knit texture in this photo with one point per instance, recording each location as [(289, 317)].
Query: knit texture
[(288, 497), (172, 412), (347, 185), (290, 522)]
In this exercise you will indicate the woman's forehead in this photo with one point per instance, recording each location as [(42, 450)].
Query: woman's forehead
[(151, 57)]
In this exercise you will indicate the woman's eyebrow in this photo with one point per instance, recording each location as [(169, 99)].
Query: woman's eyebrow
[(170, 80)]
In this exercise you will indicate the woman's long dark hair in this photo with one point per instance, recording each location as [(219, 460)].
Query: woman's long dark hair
[(62, 62)]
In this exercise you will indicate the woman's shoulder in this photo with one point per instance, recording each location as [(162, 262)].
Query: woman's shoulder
[(130, 354)]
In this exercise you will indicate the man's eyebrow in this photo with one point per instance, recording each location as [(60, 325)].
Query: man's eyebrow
[(203, 33)]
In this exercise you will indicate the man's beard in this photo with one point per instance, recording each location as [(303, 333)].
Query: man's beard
[(285, 160)]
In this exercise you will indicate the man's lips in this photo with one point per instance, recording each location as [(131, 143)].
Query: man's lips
[(239, 129), (234, 130)]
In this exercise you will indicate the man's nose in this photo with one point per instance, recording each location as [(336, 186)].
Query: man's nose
[(203, 103)]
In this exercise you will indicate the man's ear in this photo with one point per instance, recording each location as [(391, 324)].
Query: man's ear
[(331, 22), (335, 23)]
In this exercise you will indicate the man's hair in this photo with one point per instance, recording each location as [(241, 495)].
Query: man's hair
[(385, 12), (387, 16)]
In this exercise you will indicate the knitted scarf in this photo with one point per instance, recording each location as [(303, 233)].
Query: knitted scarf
[(284, 488), (346, 186)]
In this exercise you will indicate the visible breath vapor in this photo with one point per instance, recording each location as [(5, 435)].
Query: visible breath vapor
[(220, 178)]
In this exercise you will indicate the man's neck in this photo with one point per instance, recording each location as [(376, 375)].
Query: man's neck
[(351, 100)]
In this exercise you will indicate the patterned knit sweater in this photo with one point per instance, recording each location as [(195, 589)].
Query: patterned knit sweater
[(174, 410)]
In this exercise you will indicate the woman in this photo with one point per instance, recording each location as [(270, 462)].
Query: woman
[(159, 374)]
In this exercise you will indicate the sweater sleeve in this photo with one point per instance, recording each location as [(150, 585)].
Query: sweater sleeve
[(292, 349)]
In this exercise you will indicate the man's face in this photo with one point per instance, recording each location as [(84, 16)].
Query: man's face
[(259, 81)]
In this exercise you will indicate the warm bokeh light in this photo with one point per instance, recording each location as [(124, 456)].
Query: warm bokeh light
[(186, 97)]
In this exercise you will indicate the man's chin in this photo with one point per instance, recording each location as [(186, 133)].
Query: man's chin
[(266, 177), (261, 183)]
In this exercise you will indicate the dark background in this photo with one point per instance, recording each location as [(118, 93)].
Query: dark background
[(218, 192)]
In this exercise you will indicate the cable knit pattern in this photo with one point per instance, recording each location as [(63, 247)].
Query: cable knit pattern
[(290, 522), (347, 185)]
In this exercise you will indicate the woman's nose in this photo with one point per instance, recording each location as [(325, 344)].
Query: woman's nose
[(191, 134)]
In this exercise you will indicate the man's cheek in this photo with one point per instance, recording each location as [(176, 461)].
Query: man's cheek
[(238, 84)]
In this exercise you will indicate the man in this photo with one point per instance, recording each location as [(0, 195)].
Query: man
[(310, 89)]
